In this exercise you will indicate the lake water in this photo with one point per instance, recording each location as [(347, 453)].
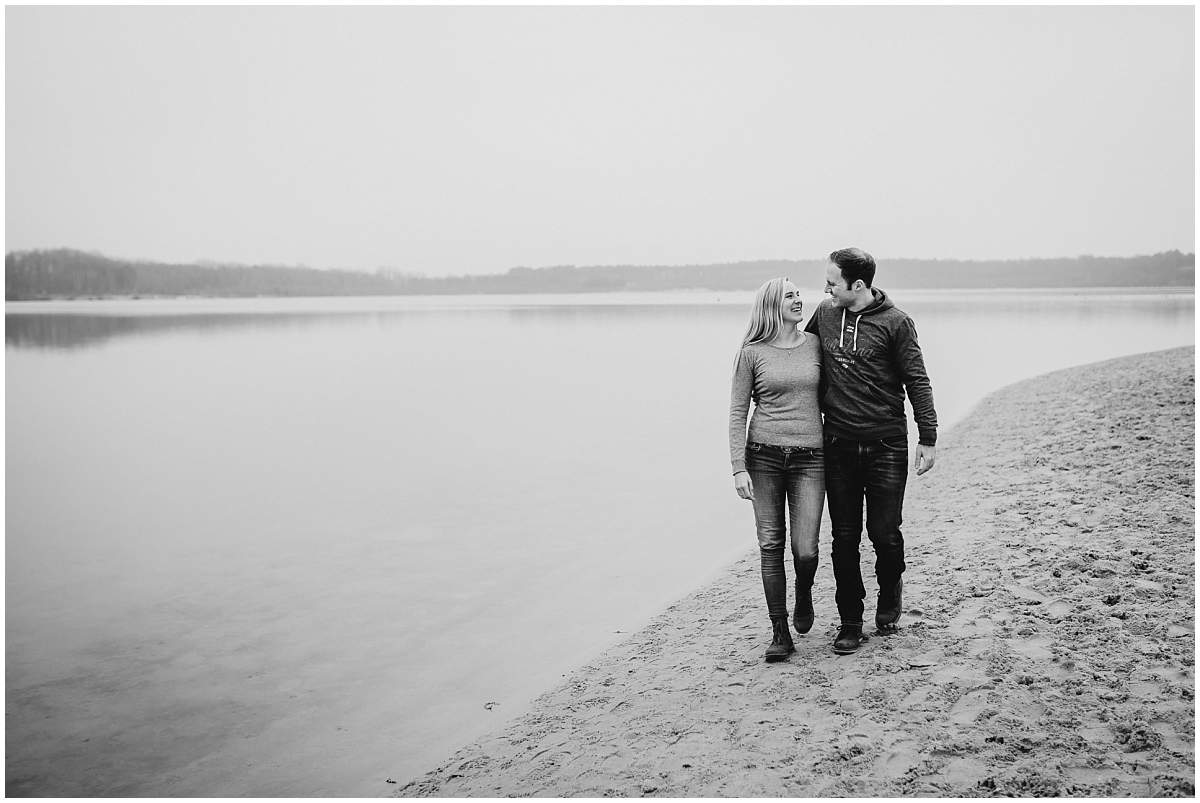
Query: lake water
[(299, 547)]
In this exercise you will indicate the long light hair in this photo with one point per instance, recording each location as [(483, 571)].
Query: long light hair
[(766, 316)]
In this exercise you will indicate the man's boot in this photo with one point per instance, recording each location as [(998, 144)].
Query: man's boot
[(888, 609), (781, 642), (802, 619), (849, 639)]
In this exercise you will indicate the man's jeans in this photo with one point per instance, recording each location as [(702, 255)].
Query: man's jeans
[(878, 471), (797, 474)]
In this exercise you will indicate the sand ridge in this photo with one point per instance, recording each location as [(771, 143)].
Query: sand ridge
[(1047, 645)]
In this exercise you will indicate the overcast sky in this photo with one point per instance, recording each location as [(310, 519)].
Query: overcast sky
[(471, 140)]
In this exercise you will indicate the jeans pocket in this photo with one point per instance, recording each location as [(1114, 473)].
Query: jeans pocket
[(897, 443)]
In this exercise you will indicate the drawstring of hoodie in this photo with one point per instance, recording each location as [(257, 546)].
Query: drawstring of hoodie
[(842, 334)]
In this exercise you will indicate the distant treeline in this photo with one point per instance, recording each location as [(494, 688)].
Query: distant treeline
[(64, 273)]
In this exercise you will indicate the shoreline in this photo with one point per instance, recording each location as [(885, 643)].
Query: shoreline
[(1046, 647), (738, 296)]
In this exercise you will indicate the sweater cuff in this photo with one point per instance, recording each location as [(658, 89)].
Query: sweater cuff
[(739, 465), (927, 437)]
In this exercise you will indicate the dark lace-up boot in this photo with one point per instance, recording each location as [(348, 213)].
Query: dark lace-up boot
[(802, 619), (781, 642), (849, 639), (888, 609)]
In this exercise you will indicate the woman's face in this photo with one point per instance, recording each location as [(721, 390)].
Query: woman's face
[(791, 307)]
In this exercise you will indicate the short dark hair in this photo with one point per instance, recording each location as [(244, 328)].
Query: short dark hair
[(855, 264)]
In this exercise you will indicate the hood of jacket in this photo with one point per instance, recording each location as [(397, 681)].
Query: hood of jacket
[(880, 303)]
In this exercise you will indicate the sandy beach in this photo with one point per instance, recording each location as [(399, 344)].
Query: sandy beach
[(1046, 648)]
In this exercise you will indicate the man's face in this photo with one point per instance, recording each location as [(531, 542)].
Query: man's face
[(835, 285)]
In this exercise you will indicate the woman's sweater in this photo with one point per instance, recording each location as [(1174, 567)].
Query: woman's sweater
[(782, 383)]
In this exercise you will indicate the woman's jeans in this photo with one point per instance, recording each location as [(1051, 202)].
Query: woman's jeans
[(795, 474), (876, 470)]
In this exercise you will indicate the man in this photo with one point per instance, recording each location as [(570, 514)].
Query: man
[(870, 357)]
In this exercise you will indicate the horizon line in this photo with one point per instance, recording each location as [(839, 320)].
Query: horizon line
[(206, 263)]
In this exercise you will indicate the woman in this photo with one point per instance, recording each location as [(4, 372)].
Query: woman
[(779, 367)]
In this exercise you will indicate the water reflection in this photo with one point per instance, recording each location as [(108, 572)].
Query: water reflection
[(644, 312), (81, 324), (74, 330), (1171, 307)]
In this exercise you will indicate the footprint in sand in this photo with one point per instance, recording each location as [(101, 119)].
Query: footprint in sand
[(1028, 594), (1057, 609), (969, 707), (1036, 648), (897, 761), (920, 660)]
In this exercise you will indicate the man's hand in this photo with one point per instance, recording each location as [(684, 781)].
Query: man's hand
[(743, 485), (924, 459)]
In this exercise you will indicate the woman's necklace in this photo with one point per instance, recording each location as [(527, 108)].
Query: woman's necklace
[(799, 342)]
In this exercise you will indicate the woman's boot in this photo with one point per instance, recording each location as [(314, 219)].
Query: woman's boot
[(802, 619), (781, 642), (806, 571)]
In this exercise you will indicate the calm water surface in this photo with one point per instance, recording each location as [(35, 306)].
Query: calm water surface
[(295, 547)]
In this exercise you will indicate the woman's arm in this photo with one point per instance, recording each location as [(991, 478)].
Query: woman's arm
[(739, 411)]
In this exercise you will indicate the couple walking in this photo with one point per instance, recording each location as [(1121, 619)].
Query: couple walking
[(851, 364)]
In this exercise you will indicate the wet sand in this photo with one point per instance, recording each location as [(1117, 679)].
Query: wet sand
[(1047, 645)]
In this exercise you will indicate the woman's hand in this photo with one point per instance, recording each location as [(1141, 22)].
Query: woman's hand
[(743, 485)]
